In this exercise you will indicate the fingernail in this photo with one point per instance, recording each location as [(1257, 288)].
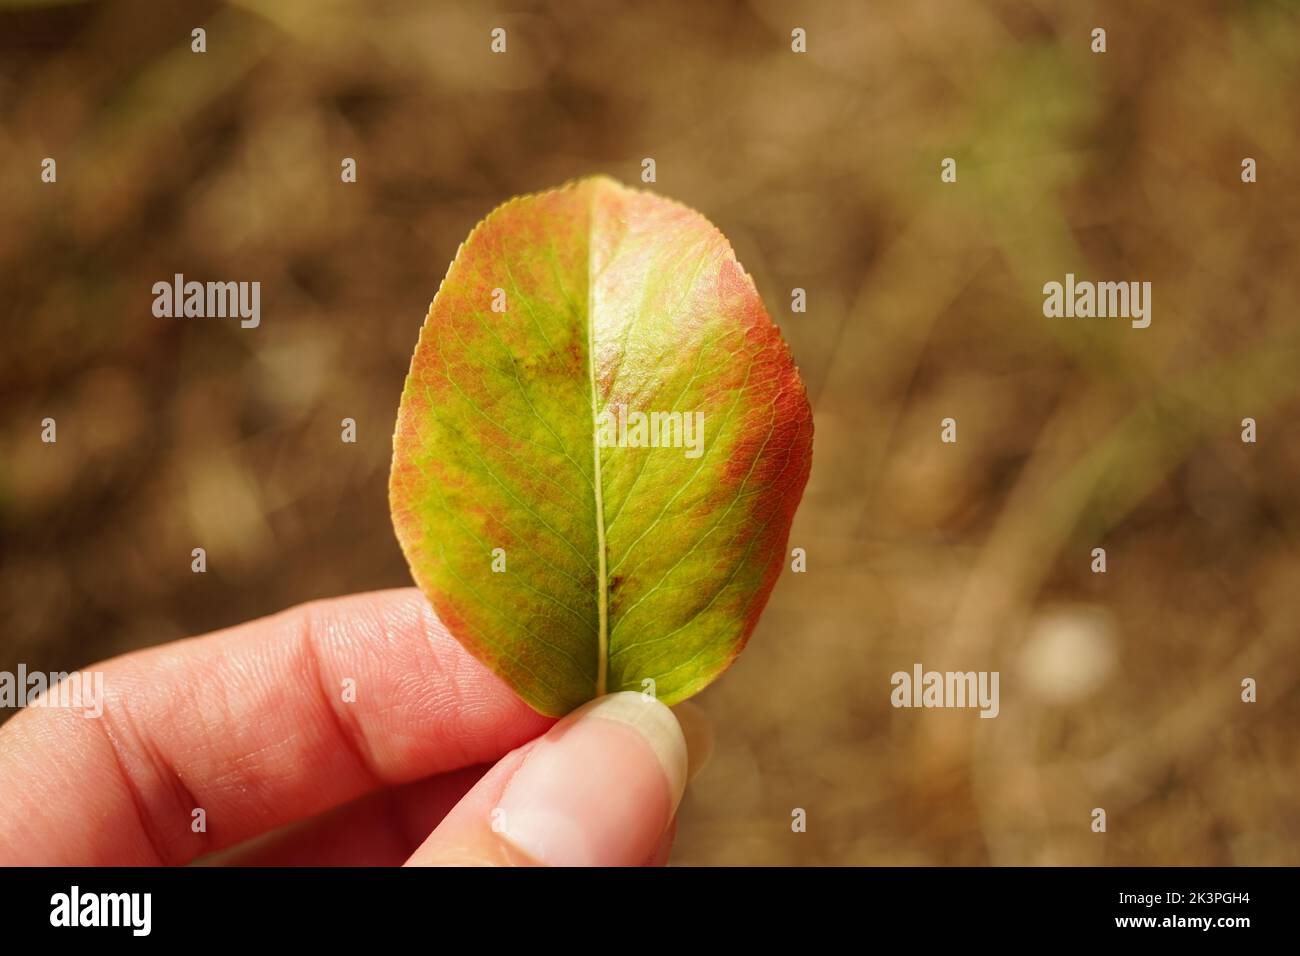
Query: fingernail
[(600, 787)]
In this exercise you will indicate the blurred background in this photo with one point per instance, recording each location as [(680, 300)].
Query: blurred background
[(1118, 690)]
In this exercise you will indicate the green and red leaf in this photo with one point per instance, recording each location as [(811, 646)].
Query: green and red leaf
[(621, 564)]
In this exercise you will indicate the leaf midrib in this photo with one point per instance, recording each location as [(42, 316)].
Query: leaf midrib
[(602, 598)]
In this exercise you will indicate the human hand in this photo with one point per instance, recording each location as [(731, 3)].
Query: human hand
[(255, 727)]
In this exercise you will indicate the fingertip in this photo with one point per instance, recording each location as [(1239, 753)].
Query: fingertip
[(600, 788)]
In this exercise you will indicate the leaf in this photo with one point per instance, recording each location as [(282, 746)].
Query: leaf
[(569, 568)]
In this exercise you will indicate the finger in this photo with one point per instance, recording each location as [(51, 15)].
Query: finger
[(256, 726), (599, 789), (380, 829), (385, 828)]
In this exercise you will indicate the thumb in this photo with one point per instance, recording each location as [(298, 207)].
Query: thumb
[(598, 789)]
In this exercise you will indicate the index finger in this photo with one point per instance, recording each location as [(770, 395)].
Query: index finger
[(256, 726)]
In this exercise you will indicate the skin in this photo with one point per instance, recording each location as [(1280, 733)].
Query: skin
[(250, 724)]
